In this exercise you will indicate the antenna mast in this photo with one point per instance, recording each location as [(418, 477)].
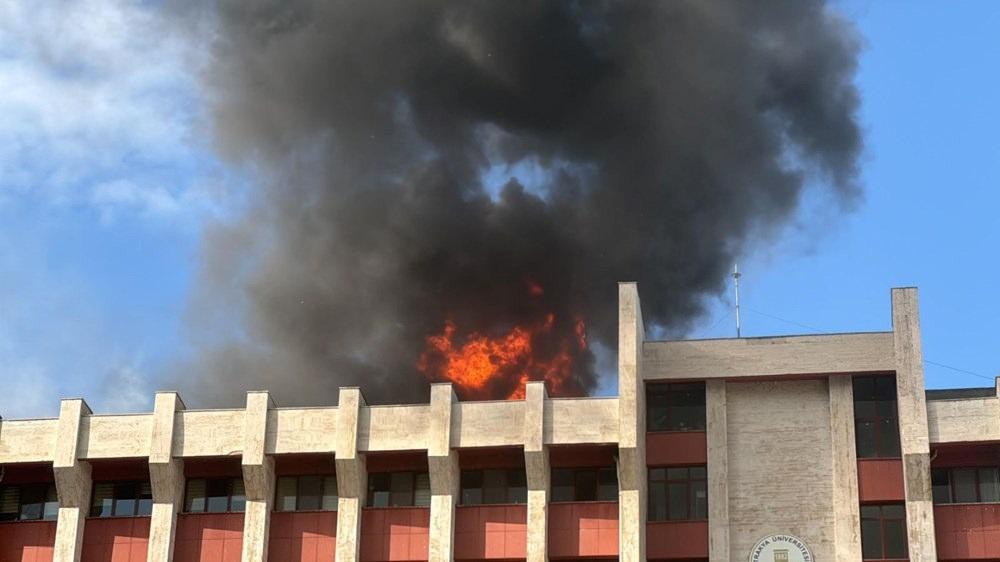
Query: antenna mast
[(736, 286)]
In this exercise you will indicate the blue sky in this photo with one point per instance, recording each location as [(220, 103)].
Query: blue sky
[(107, 179)]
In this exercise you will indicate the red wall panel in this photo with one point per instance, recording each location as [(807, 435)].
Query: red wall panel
[(967, 531), (583, 529), (308, 536), (209, 537), (27, 541), (491, 532), (394, 534), (880, 480), (673, 448), (671, 540), (117, 539)]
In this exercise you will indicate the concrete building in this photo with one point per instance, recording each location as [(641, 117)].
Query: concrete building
[(819, 447)]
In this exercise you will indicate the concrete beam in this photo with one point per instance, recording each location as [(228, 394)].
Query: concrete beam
[(716, 432), (846, 503), (442, 463), (913, 432), (352, 475), (73, 482), (166, 477), (632, 476), (538, 471), (258, 478)]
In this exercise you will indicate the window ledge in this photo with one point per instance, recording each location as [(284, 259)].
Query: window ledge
[(89, 517), (304, 511)]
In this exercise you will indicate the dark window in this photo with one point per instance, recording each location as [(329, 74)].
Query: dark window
[(675, 407), (584, 484), (494, 486), (876, 424), (215, 495), (395, 489), (883, 532), (306, 493), (678, 493), (966, 485), (121, 499), (28, 502)]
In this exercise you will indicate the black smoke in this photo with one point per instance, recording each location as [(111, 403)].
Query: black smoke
[(652, 141)]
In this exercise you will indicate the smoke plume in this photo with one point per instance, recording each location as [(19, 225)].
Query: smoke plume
[(486, 165)]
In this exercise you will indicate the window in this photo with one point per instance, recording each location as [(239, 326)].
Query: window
[(28, 502), (966, 485), (584, 484), (215, 495), (675, 407), (678, 494), (494, 486), (306, 493), (876, 427), (121, 499), (399, 489), (883, 532)]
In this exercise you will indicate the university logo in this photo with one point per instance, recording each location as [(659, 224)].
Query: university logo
[(781, 548)]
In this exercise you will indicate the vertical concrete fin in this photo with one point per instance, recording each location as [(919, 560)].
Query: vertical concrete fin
[(73, 482), (632, 427), (716, 430), (352, 475), (913, 437), (258, 478), (538, 471), (442, 463), (166, 477), (846, 502)]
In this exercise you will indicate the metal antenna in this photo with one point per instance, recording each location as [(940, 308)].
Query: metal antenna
[(736, 286)]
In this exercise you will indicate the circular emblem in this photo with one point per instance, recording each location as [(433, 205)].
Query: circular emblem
[(781, 548)]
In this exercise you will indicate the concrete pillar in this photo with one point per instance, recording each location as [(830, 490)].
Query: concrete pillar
[(258, 478), (442, 463), (352, 475), (913, 438), (73, 483), (846, 503), (538, 470), (717, 436), (632, 475), (166, 477)]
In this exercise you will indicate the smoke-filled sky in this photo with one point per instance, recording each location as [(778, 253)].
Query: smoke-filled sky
[(296, 197)]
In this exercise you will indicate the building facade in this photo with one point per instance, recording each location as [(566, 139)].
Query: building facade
[(785, 449)]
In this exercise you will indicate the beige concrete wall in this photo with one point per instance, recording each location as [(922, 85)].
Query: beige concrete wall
[(968, 419), (581, 420), (393, 428), (27, 440), (301, 430), (780, 464), (115, 436), (208, 433), (488, 424)]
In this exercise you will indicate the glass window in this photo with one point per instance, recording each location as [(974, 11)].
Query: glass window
[(494, 486), (28, 502), (963, 482), (989, 485), (584, 484), (966, 485), (215, 495), (121, 499), (391, 489), (563, 485), (941, 485), (883, 532), (306, 493), (876, 423), (675, 407), (607, 484), (677, 494), (517, 486)]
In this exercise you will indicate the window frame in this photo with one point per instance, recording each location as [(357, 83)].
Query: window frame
[(507, 472), (669, 391), (596, 470), (977, 485), (882, 524), (688, 481), (413, 488), (883, 447), (48, 492), (115, 484), (230, 480), (323, 478)]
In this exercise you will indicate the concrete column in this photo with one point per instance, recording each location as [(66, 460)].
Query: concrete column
[(846, 504), (258, 478), (913, 437), (352, 475), (166, 477), (538, 470), (73, 483), (717, 435), (442, 463), (632, 429)]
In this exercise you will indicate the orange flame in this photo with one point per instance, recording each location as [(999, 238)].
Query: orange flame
[(483, 367)]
